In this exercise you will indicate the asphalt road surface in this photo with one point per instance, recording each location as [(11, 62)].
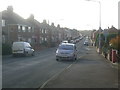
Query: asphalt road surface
[(31, 71), (36, 71)]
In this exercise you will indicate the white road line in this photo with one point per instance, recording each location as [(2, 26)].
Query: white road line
[(54, 76), (57, 74), (43, 85)]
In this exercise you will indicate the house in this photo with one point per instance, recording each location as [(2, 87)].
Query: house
[(93, 35), (62, 35), (46, 33), (37, 30), (54, 34), (112, 30), (15, 28)]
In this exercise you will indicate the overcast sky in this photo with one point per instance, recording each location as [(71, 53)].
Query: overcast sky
[(78, 14)]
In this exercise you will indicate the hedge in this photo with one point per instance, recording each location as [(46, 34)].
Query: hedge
[(6, 49)]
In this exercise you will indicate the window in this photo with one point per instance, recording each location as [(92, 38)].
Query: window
[(42, 39), (26, 28), (45, 39), (42, 30), (3, 23), (32, 29), (45, 31), (29, 28), (23, 28), (19, 28), (66, 47)]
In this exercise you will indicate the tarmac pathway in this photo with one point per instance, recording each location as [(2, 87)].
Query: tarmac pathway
[(91, 70)]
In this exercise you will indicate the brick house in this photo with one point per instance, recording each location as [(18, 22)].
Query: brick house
[(15, 28), (37, 31), (54, 34), (45, 35), (61, 33), (112, 30)]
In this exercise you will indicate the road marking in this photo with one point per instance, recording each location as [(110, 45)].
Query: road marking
[(55, 76), (45, 83), (87, 48), (69, 66)]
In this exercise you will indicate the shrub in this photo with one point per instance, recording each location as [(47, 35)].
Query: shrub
[(52, 44), (6, 49), (115, 42)]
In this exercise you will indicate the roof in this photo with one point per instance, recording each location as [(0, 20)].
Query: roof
[(13, 18), (33, 22), (112, 30)]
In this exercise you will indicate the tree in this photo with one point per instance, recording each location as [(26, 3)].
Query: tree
[(115, 42)]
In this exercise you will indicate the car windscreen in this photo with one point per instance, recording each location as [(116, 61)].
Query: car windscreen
[(66, 47)]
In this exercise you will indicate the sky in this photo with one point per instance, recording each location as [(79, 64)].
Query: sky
[(73, 14)]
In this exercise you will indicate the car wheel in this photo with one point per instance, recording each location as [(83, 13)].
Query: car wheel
[(75, 58)]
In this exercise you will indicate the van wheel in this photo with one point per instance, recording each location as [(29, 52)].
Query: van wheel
[(13, 55), (33, 54), (25, 53), (57, 59)]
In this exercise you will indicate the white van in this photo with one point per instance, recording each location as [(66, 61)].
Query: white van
[(23, 48)]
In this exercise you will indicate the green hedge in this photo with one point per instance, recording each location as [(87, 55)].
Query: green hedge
[(102, 40), (52, 44), (6, 49), (109, 37)]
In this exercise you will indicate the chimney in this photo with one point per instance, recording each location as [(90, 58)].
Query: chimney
[(31, 17), (10, 9)]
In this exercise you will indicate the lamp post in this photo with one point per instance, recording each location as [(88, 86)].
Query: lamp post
[(99, 23)]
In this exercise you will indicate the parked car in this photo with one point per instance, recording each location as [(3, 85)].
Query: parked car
[(72, 41), (22, 48), (77, 40), (86, 42), (66, 51), (65, 41)]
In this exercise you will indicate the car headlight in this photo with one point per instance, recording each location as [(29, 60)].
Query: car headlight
[(57, 52)]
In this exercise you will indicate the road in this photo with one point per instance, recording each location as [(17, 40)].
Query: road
[(31, 71), (36, 71)]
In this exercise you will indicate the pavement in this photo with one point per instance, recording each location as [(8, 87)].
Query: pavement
[(91, 70)]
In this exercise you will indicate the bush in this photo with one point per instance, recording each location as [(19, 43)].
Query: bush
[(102, 40), (52, 44), (6, 49), (44, 43)]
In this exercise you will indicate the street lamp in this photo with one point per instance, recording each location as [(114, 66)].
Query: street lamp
[(99, 23)]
